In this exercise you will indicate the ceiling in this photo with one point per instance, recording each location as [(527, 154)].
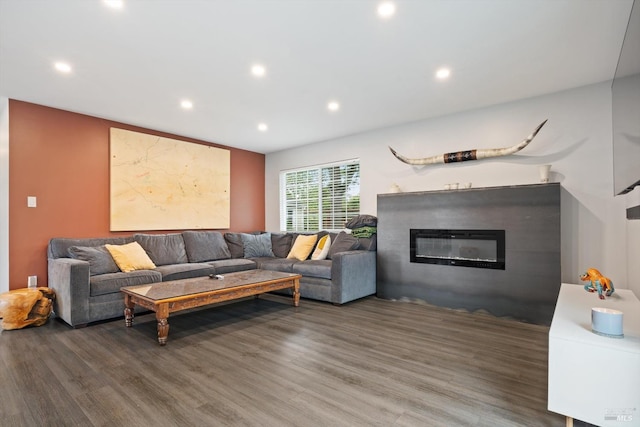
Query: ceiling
[(136, 64)]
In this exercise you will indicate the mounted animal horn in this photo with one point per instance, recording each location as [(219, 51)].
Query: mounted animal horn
[(463, 156)]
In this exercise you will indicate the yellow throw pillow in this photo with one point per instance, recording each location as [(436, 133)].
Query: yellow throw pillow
[(322, 248), (302, 247), (130, 257)]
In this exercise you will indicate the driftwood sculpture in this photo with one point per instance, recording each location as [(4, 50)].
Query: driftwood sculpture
[(463, 156), (25, 307)]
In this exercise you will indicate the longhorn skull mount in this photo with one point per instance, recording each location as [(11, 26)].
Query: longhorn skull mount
[(466, 155)]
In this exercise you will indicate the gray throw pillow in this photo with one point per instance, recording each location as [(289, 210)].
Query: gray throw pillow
[(163, 249), (99, 259), (257, 245), (343, 242), (234, 243), (281, 244), (204, 246)]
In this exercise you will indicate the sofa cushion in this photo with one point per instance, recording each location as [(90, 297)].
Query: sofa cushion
[(276, 264), (224, 266), (281, 244), (163, 249), (343, 242), (320, 234), (130, 257), (59, 246), (257, 245), (234, 242), (99, 259), (302, 247), (368, 243), (112, 282), (205, 246), (185, 271), (322, 248), (313, 268)]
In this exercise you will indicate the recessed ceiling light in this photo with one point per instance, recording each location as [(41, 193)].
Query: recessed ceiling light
[(258, 70), (443, 73), (63, 67), (114, 4), (386, 9), (333, 106), (262, 127), (186, 104)]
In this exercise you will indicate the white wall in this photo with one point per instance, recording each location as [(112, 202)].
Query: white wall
[(633, 244), (576, 141), (4, 194)]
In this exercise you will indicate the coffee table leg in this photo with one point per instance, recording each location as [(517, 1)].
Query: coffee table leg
[(296, 293), (163, 325), (128, 311)]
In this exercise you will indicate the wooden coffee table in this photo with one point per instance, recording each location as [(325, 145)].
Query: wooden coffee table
[(168, 297)]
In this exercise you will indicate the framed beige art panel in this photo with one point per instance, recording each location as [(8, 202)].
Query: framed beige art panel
[(160, 183)]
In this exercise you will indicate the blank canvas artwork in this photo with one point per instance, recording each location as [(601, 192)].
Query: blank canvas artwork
[(160, 183)]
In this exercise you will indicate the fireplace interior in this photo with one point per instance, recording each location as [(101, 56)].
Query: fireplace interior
[(458, 248)]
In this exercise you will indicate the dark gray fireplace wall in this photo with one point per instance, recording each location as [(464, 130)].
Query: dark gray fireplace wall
[(530, 215)]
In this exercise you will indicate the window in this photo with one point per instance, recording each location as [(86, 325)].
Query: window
[(320, 197)]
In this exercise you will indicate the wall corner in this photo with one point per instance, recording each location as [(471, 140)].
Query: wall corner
[(4, 194)]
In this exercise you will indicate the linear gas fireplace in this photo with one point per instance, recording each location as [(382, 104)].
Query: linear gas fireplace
[(523, 254), (460, 248)]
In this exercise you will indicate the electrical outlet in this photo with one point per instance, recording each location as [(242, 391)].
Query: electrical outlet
[(32, 281)]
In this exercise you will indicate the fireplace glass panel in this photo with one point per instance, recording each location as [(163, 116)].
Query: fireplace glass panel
[(463, 248)]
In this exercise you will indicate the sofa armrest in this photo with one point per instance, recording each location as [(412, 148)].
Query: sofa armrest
[(353, 275), (69, 278)]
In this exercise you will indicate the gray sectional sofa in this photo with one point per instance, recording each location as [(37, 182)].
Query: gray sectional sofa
[(87, 281)]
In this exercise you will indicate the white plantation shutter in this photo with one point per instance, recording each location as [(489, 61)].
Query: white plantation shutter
[(320, 197)]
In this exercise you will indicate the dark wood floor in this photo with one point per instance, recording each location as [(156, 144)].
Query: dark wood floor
[(262, 362)]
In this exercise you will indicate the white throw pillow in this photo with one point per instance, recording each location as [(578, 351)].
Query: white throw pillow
[(322, 248)]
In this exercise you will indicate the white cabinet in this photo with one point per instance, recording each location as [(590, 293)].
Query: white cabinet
[(591, 377)]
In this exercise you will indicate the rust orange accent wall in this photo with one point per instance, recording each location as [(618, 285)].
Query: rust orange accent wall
[(62, 158)]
